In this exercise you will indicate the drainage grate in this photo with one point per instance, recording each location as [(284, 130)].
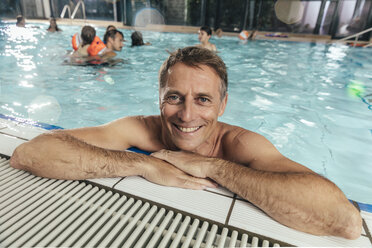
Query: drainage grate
[(41, 212)]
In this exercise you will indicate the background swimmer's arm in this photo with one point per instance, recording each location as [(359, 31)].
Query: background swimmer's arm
[(97, 152), (288, 192)]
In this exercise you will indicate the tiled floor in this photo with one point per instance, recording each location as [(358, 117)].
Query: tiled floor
[(218, 205)]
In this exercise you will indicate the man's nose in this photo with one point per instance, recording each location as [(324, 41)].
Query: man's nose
[(187, 111)]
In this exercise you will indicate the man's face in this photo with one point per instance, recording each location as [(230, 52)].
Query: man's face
[(203, 36), (190, 104), (117, 43)]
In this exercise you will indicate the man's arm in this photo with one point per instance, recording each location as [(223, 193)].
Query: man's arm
[(97, 152), (288, 192)]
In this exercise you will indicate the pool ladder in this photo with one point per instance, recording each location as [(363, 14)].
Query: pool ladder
[(356, 36), (67, 8)]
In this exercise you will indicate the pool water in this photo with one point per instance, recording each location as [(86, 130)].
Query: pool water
[(298, 95)]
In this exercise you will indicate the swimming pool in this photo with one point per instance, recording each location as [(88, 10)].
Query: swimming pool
[(295, 94)]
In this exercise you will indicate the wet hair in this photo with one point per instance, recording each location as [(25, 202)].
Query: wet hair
[(87, 35), (55, 20), (195, 57), (109, 27), (111, 34), (19, 18), (207, 29), (137, 39)]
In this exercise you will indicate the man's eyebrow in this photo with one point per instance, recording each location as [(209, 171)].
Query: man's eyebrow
[(204, 95), (170, 92)]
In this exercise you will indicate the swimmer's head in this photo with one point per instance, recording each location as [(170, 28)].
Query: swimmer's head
[(20, 21), (110, 27), (137, 39), (206, 29), (219, 32), (195, 57), (87, 35), (205, 34), (114, 39)]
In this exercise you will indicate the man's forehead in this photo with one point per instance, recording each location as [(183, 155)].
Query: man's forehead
[(203, 74)]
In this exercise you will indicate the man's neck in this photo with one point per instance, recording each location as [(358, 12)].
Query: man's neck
[(109, 47)]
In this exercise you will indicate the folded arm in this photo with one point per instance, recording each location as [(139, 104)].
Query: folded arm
[(287, 191), (97, 152)]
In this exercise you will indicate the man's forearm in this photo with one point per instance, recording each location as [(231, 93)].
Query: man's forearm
[(61, 156), (304, 201)]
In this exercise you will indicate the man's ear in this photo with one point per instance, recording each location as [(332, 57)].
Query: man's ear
[(223, 105)]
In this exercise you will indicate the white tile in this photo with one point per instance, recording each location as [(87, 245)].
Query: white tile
[(250, 218), (5, 123), (22, 130), (8, 144), (108, 182), (221, 191), (198, 202), (2, 125)]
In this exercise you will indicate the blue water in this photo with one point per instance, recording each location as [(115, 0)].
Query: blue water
[(295, 94)]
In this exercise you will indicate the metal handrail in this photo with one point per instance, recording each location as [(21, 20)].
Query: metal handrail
[(81, 2), (66, 7), (357, 37)]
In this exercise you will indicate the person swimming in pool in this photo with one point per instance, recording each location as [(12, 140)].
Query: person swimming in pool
[(137, 39), (204, 34), (92, 50), (21, 22), (53, 27), (88, 33), (114, 40), (192, 149)]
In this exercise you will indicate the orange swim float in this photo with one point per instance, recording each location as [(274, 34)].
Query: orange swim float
[(97, 47), (76, 40)]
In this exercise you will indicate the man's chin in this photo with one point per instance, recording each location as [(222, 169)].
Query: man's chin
[(188, 147)]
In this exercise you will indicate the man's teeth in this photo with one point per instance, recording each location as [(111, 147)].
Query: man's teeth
[(188, 129)]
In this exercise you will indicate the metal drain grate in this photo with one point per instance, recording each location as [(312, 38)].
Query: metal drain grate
[(41, 212)]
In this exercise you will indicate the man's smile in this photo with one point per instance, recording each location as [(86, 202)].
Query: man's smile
[(187, 129)]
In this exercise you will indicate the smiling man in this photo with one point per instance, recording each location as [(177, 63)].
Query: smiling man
[(192, 149)]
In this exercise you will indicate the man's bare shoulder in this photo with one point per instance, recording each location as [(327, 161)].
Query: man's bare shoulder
[(144, 131), (254, 150), (234, 134), (239, 144)]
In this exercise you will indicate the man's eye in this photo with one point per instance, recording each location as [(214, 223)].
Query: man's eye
[(173, 99), (203, 99)]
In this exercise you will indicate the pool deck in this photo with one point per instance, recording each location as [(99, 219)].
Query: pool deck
[(218, 205), (261, 35)]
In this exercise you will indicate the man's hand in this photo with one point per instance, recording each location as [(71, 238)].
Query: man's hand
[(191, 163), (164, 173)]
